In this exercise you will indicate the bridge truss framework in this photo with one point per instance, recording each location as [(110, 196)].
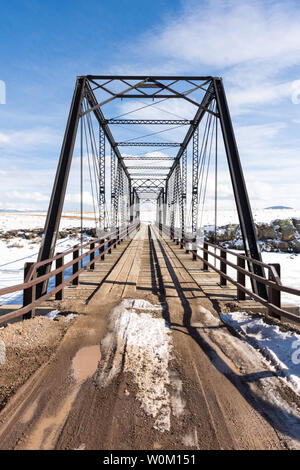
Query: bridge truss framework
[(136, 178)]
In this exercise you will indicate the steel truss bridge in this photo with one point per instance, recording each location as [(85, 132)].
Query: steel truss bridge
[(131, 183), (105, 112)]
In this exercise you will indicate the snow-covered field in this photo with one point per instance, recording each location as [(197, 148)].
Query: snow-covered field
[(259, 215), (16, 251), (31, 220)]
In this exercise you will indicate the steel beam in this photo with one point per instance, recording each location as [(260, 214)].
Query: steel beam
[(239, 187), (101, 178), (149, 77), (148, 168), (60, 183), (195, 171), (113, 183), (150, 160), (165, 122), (183, 190), (148, 144)]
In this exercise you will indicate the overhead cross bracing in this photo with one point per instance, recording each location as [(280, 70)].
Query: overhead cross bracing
[(172, 124)]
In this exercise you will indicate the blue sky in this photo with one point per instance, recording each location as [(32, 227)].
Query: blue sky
[(253, 45)]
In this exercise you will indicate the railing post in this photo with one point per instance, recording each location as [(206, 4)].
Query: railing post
[(59, 278), (75, 281), (101, 249), (118, 236), (182, 241), (205, 256), (274, 294), (28, 294), (92, 255), (223, 268), (241, 279), (109, 245), (194, 251)]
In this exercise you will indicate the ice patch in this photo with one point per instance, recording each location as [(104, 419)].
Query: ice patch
[(53, 314), (282, 349), (141, 345)]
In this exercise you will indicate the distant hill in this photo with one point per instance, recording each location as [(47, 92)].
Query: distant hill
[(278, 207)]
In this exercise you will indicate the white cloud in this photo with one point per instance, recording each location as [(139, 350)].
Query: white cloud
[(249, 43), (28, 139), (260, 94), (227, 33), (255, 135), (27, 196), (76, 198), (4, 138)]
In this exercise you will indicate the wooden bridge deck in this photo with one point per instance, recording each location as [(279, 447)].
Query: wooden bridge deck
[(91, 280)]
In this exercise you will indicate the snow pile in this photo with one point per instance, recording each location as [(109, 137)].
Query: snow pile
[(282, 349), (141, 345)]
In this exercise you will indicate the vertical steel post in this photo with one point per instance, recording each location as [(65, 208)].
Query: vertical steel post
[(195, 171), (183, 194), (101, 178)]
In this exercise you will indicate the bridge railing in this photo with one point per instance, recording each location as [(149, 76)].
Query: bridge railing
[(272, 280), (102, 245)]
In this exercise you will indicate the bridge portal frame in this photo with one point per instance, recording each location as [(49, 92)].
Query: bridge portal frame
[(138, 87)]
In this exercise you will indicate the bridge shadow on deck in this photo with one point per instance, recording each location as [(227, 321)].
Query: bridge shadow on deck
[(279, 418)]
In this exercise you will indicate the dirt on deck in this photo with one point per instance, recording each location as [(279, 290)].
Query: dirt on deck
[(26, 345)]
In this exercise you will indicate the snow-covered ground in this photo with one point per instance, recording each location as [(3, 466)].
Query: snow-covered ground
[(281, 348), (259, 215), (32, 220)]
